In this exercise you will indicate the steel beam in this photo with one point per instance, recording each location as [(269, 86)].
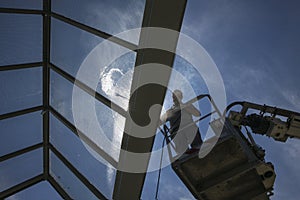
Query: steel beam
[(20, 112), (46, 83), (19, 152), (163, 14), (13, 190), (58, 188), (94, 31), (89, 90), (20, 66), (84, 138), (21, 11), (81, 177)]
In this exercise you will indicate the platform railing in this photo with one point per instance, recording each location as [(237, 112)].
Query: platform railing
[(166, 130)]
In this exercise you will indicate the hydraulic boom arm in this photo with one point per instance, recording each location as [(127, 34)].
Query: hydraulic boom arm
[(274, 122)]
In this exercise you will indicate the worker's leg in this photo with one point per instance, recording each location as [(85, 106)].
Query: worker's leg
[(197, 142), (181, 143), (194, 137)]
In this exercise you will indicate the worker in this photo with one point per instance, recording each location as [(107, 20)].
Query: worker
[(182, 125)]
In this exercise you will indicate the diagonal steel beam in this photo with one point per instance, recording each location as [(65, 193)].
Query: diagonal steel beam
[(20, 66), (81, 177), (20, 112), (21, 151), (158, 13), (94, 31), (89, 90), (84, 138), (17, 188), (58, 188), (21, 11)]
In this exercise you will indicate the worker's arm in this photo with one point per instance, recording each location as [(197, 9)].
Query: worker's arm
[(163, 118), (192, 110)]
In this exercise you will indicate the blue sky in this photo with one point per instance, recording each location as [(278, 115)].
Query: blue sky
[(255, 45)]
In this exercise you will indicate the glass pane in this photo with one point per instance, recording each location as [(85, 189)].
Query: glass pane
[(42, 190), (70, 46), (115, 79), (20, 89), (61, 95), (111, 16), (87, 161), (20, 132), (20, 39), (68, 181), (98, 122), (90, 114), (103, 66), (28, 4), (20, 168)]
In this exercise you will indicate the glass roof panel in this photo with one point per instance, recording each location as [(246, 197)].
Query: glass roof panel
[(20, 89), (115, 79), (20, 39), (110, 16), (111, 123), (67, 143), (16, 133), (20, 168), (98, 122), (30, 4), (68, 181), (42, 190), (70, 46), (74, 49), (61, 95)]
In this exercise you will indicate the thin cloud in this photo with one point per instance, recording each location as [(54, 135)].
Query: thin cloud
[(292, 98), (115, 19)]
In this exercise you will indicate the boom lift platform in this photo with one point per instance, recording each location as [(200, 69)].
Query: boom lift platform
[(235, 168)]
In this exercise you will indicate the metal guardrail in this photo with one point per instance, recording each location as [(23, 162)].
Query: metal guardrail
[(166, 131)]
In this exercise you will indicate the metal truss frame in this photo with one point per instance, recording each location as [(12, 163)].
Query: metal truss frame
[(155, 10)]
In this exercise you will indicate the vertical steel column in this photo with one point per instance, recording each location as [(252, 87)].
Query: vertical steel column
[(46, 83)]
